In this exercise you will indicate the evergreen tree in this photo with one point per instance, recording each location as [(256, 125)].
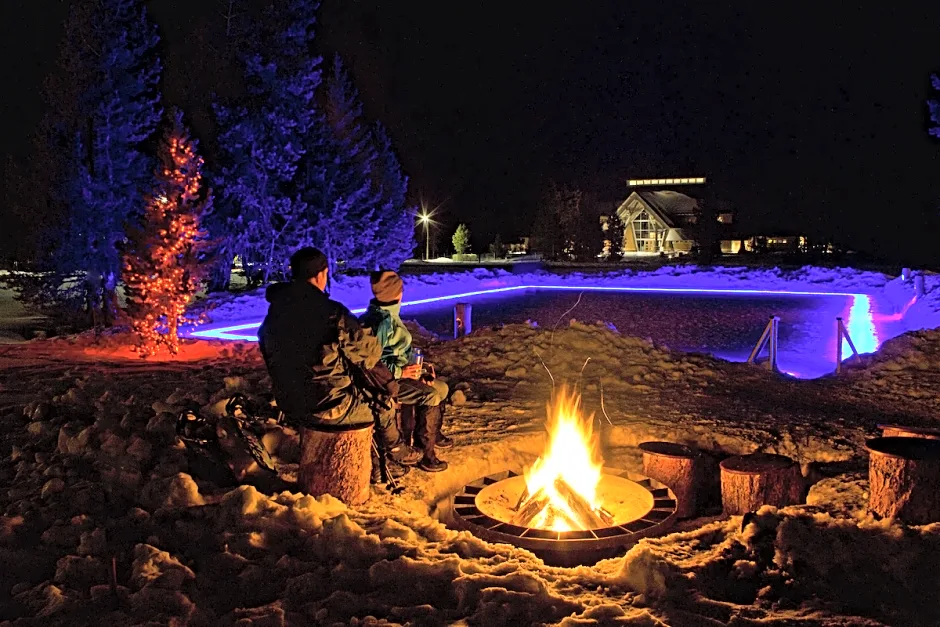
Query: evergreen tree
[(108, 107), (497, 249), (396, 222), (263, 214), (342, 193), (164, 259), (615, 234), (935, 106), (461, 239)]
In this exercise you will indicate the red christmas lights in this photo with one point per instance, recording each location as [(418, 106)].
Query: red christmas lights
[(162, 267)]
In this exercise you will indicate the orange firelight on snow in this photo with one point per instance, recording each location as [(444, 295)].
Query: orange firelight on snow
[(571, 455)]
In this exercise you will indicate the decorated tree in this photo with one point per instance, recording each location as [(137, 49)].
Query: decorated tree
[(164, 258), (461, 239)]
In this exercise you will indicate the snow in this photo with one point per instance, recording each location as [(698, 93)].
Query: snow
[(91, 472)]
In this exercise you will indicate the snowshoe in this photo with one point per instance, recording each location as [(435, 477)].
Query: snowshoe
[(248, 430), (206, 459), (193, 428)]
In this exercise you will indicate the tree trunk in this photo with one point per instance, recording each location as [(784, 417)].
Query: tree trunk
[(900, 431), (904, 479), (337, 461), (749, 481), (680, 468)]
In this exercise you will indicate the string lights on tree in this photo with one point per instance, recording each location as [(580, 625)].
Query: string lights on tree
[(163, 261)]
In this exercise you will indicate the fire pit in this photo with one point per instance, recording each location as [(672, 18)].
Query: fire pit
[(567, 508)]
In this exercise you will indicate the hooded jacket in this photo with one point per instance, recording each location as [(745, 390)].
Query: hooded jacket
[(394, 337), (310, 346)]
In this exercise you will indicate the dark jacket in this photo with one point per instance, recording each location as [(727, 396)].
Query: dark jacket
[(311, 345)]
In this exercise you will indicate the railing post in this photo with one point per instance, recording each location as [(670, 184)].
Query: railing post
[(838, 345), (765, 336), (775, 324), (462, 321), (919, 285)]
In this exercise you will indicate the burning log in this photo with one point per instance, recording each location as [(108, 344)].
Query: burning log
[(587, 518), (606, 516), (534, 504), (522, 498)]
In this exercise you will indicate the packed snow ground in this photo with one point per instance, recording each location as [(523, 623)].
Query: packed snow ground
[(92, 472)]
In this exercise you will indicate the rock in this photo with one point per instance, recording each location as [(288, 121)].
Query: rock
[(177, 491), (53, 486), (37, 411), (458, 398), (37, 429), (158, 569)]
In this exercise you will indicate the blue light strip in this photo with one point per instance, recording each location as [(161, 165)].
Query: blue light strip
[(226, 333)]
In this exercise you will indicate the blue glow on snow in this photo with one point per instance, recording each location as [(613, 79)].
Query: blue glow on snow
[(859, 317)]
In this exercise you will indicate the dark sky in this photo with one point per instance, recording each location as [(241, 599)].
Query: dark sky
[(811, 119)]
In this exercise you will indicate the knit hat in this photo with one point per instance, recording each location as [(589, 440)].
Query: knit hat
[(387, 286)]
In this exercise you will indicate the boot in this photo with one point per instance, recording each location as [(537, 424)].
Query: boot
[(427, 429), (404, 455), (390, 441), (392, 468)]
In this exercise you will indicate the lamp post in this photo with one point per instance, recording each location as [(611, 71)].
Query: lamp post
[(425, 219)]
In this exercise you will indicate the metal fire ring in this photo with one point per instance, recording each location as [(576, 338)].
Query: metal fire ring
[(566, 545)]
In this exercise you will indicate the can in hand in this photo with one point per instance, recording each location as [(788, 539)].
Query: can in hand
[(417, 359)]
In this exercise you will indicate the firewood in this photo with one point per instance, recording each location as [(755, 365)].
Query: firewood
[(582, 510), (749, 481), (606, 516), (678, 467), (530, 509), (904, 479), (522, 498)]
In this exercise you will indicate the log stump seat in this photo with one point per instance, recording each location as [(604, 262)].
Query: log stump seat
[(679, 467), (337, 460), (904, 479), (750, 481), (900, 431)]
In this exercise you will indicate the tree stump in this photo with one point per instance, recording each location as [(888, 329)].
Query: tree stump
[(678, 467), (900, 431), (749, 481), (904, 479), (337, 460)]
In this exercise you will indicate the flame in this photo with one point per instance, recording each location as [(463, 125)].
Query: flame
[(572, 453)]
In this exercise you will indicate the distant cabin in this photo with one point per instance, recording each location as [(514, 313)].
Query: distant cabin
[(657, 222)]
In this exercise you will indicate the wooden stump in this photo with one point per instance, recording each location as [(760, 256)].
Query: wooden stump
[(900, 431), (678, 467), (337, 461), (749, 481), (904, 479)]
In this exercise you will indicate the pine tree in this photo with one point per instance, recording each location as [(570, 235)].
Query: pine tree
[(163, 262), (263, 215), (461, 239), (935, 106), (343, 197), (396, 223), (615, 234), (103, 108)]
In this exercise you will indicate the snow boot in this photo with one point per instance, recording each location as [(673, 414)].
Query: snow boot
[(404, 455), (443, 442), (427, 429)]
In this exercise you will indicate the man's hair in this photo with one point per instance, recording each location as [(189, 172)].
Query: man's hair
[(307, 263)]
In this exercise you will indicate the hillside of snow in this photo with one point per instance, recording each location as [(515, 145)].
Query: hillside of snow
[(93, 476)]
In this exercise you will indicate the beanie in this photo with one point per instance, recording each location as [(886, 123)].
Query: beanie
[(386, 286)]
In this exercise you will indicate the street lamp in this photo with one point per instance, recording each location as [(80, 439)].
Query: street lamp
[(425, 219)]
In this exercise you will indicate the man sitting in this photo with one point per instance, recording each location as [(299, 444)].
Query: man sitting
[(317, 353), (423, 390)]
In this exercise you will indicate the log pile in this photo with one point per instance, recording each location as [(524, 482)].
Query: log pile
[(573, 509), (750, 481), (904, 478), (337, 462)]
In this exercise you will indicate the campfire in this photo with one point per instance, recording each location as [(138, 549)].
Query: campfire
[(561, 486), (567, 507)]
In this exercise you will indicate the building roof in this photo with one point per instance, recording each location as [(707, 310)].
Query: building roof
[(671, 208)]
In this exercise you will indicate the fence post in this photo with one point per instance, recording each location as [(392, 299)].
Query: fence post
[(775, 322), (919, 285), (764, 337), (462, 321)]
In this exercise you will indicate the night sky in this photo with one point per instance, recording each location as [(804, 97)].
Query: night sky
[(813, 120)]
